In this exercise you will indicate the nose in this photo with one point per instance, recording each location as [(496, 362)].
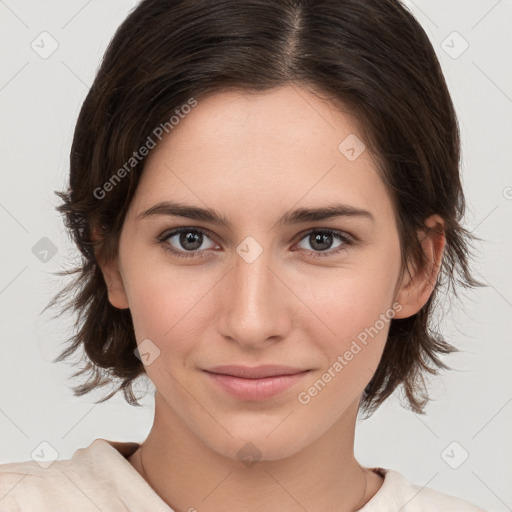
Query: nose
[(256, 304)]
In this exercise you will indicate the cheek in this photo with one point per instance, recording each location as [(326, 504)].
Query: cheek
[(356, 309), (352, 354), (354, 301), (165, 305), (149, 306)]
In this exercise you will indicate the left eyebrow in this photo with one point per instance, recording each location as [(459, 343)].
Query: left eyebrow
[(326, 212), (297, 216)]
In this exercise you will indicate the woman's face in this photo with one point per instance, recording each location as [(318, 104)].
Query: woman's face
[(267, 287)]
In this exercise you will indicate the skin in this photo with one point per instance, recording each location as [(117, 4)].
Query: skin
[(253, 157)]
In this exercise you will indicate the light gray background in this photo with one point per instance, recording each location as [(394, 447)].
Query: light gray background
[(40, 99)]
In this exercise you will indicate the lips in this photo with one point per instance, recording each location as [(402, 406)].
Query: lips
[(254, 383), (256, 372)]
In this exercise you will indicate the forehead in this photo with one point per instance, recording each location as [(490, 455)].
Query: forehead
[(271, 125), (286, 145)]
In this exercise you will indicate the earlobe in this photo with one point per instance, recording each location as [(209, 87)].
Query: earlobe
[(417, 285), (115, 287), (112, 277)]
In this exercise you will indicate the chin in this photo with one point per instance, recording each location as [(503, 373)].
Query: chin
[(260, 441)]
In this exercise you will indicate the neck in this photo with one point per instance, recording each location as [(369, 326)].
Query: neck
[(189, 476)]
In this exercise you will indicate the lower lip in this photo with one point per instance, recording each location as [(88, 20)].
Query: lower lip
[(255, 389)]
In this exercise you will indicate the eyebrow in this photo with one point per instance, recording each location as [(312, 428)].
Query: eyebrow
[(297, 216)]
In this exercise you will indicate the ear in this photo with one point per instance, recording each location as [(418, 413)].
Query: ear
[(115, 287), (417, 286), (113, 279)]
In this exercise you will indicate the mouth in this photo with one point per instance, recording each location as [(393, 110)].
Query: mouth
[(255, 383)]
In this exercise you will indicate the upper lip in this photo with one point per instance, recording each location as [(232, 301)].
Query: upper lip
[(255, 372)]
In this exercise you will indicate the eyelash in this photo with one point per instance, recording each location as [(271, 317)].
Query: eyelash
[(346, 239)]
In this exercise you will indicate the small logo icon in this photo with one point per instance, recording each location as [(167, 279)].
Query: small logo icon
[(44, 250), (454, 455), (454, 45), (44, 454), (44, 45), (249, 249), (351, 147), (249, 454), (147, 352)]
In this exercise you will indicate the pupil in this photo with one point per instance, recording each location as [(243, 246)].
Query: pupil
[(190, 237), (321, 238)]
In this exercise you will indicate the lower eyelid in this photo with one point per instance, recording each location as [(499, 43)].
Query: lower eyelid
[(346, 241), (171, 234)]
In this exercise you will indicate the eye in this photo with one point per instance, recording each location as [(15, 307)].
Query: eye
[(189, 240), (321, 241)]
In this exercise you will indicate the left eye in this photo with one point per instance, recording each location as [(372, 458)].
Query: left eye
[(321, 241), (189, 241)]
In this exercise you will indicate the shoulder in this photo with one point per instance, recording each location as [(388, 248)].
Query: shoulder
[(88, 481), (28, 486), (397, 493)]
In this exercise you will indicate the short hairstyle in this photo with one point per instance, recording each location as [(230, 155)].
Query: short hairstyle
[(371, 58)]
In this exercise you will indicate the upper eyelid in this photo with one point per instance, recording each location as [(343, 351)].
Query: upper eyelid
[(168, 233), (297, 238)]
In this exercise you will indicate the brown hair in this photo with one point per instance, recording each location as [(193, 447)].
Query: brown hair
[(371, 57)]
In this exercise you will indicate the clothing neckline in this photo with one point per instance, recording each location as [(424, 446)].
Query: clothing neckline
[(125, 449), (101, 448)]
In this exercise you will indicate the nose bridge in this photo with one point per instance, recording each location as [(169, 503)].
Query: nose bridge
[(253, 309)]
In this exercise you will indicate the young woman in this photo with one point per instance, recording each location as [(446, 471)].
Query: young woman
[(266, 195)]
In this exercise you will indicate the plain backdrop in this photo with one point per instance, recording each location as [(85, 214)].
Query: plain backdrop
[(462, 446)]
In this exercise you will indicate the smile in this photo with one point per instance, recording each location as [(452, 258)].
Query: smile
[(255, 389)]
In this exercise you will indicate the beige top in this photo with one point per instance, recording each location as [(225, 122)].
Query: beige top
[(100, 478)]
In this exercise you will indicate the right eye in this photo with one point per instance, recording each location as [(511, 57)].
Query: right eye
[(187, 240)]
